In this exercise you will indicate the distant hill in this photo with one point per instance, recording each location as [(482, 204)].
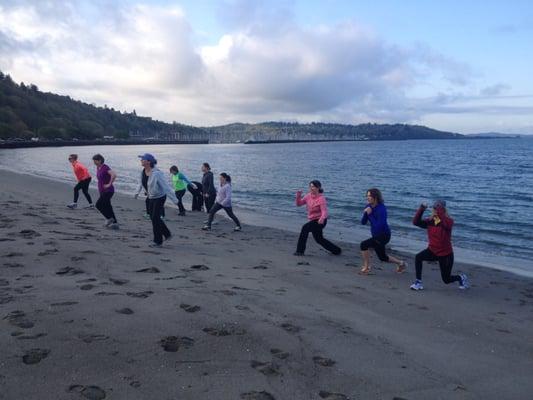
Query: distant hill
[(26, 112), (283, 131), (494, 135)]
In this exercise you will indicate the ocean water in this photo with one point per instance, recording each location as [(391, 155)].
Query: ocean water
[(488, 185)]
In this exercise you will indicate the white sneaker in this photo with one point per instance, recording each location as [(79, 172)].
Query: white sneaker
[(146, 216), (114, 226), (91, 206), (72, 206), (237, 229), (417, 285), (109, 222), (464, 284)]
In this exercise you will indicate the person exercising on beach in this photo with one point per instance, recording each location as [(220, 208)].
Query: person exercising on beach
[(317, 214), (208, 187), (223, 201), (106, 176), (375, 212), (143, 184), (84, 180), (439, 226), (179, 183)]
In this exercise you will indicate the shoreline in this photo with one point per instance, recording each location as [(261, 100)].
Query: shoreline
[(400, 245), (89, 312)]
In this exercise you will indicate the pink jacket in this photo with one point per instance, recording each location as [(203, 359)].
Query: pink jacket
[(316, 206)]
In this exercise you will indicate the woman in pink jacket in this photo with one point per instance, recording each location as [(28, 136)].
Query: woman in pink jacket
[(317, 213)]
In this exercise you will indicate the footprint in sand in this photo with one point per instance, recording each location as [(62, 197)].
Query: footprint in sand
[(189, 308), (13, 265), (332, 396), (48, 252), (266, 368), (17, 318), (325, 362), (125, 311), (260, 267), (224, 331), (227, 292), (13, 254), (303, 263), (173, 343), (118, 282), (34, 356), (89, 392), (69, 271), (141, 295), (149, 270), (29, 234), (199, 267), (282, 355), (290, 327), (87, 287), (77, 258), (257, 396), (89, 338), (21, 336)]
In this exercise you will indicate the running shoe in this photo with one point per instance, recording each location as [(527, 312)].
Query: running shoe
[(156, 245), (114, 226), (237, 229), (91, 206), (464, 284), (72, 206), (146, 216), (168, 238), (417, 285), (206, 228), (297, 253), (181, 213)]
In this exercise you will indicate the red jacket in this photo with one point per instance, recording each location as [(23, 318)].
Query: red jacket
[(439, 232)]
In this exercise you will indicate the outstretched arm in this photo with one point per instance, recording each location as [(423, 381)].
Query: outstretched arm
[(417, 219)]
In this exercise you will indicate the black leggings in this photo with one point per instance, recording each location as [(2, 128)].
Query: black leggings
[(147, 203), (179, 195), (216, 208), (210, 201), (445, 264), (159, 227), (378, 244), (103, 204), (316, 229), (84, 186), (197, 197)]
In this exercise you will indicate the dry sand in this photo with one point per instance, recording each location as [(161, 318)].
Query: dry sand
[(90, 313)]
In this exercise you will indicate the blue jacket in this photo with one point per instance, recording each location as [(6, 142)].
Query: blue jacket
[(378, 220)]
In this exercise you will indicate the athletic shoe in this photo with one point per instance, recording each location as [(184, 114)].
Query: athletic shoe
[(167, 238), (72, 206), (297, 253), (237, 229), (91, 206), (206, 228), (108, 222), (156, 245), (146, 216), (162, 218), (417, 285), (181, 213), (464, 284), (114, 226)]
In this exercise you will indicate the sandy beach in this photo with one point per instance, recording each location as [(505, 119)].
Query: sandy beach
[(91, 313)]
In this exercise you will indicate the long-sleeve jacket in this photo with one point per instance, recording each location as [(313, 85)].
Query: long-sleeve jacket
[(180, 181), (224, 195), (317, 208), (208, 185), (378, 220), (439, 231), (159, 187)]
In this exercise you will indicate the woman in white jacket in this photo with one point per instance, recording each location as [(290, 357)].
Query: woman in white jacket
[(223, 201)]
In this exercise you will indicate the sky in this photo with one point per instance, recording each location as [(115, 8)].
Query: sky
[(460, 66)]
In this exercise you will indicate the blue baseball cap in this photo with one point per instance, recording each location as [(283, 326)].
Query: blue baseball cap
[(148, 157)]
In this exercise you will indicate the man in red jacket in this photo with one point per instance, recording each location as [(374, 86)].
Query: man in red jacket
[(84, 179), (439, 226)]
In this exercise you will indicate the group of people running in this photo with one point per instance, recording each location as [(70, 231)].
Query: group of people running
[(157, 188)]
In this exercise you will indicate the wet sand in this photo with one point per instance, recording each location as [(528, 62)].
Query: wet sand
[(91, 313)]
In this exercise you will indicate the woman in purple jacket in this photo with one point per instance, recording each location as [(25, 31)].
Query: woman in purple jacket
[(375, 212), (106, 176)]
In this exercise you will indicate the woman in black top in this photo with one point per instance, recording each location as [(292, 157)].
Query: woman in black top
[(208, 187)]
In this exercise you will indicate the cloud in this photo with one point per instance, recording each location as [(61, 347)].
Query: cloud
[(265, 67), (495, 90)]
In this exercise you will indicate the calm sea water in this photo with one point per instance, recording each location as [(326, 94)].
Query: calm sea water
[(488, 185)]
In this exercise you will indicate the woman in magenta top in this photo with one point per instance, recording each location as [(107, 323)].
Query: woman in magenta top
[(106, 176), (317, 214)]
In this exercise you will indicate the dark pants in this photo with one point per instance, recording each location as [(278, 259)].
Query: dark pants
[(103, 204), (197, 196), (210, 201), (316, 229), (216, 208), (84, 186), (378, 244), (159, 227), (147, 203), (445, 264), (179, 195)]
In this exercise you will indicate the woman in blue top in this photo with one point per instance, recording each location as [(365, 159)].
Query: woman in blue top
[(376, 212)]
